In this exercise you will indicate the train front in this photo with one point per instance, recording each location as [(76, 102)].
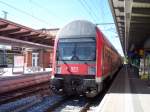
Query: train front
[(74, 65)]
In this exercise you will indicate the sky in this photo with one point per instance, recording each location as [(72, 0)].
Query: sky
[(38, 14)]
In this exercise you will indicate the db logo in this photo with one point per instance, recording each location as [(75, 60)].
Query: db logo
[(74, 69)]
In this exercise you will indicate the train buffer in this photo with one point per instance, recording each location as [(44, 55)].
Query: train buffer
[(127, 93)]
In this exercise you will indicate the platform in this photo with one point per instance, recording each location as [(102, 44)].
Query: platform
[(9, 72), (127, 93)]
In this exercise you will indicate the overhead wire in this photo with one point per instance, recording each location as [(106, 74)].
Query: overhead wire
[(87, 10), (45, 9), (94, 16), (24, 12), (82, 2), (90, 9), (97, 9), (100, 2), (105, 23)]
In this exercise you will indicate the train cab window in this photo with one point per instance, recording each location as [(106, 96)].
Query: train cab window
[(76, 50)]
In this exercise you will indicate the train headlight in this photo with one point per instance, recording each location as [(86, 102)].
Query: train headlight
[(58, 70), (92, 70)]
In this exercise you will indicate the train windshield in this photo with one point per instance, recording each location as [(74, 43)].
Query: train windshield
[(76, 50)]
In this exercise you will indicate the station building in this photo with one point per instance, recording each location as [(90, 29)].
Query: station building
[(24, 49)]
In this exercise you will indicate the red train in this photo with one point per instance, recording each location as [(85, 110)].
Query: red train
[(83, 59)]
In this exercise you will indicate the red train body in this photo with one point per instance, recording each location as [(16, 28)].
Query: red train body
[(83, 59)]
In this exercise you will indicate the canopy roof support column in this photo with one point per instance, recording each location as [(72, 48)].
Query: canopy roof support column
[(128, 12)]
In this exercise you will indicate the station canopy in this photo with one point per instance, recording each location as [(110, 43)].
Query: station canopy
[(18, 35), (132, 19)]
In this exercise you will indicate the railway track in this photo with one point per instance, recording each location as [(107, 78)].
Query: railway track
[(58, 104), (24, 107), (82, 104), (68, 104), (53, 104), (39, 98), (26, 103), (40, 89), (48, 103), (16, 89)]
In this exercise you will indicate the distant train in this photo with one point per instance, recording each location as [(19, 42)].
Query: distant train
[(83, 60)]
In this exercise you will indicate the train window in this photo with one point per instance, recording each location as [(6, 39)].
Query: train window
[(76, 51), (86, 51)]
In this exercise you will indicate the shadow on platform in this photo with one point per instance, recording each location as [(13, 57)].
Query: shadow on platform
[(127, 81)]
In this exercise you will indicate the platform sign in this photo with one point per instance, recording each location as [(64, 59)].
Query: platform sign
[(141, 52), (16, 49), (131, 53)]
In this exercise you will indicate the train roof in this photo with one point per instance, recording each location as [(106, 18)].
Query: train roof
[(78, 28), (81, 28)]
